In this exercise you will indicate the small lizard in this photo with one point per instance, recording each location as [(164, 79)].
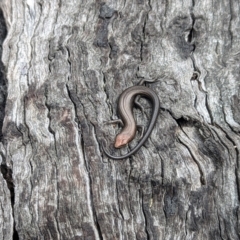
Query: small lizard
[(125, 109)]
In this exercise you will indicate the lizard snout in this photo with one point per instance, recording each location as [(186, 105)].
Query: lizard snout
[(122, 140)]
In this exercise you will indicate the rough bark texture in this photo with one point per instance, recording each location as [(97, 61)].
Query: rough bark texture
[(66, 62)]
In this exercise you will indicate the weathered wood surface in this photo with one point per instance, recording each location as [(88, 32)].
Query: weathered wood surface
[(66, 62)]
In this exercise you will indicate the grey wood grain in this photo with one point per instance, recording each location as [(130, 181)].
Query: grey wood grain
[(66, 62)]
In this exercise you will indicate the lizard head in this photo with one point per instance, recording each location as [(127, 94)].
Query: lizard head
[(122, 139)]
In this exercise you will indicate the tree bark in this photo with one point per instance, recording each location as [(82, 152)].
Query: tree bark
[(65, 64)]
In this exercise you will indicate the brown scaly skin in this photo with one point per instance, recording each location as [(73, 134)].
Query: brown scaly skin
[(125, 107)]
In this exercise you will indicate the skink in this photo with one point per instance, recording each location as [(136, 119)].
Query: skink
[(125, 109)]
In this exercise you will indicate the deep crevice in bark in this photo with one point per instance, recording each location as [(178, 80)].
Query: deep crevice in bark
[(181, 122), (190, 37), (143, 38), (5, 170), (96, 221), (7, 175), (145, 216), (3, 80)]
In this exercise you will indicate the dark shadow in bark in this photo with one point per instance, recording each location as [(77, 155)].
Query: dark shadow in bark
[(5, 170)]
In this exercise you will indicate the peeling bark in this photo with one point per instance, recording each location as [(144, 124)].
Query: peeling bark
[(64, 64)]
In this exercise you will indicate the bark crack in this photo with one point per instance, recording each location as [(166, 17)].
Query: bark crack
[(190, 37), (185, 226), (208, 109), (202, 177), (3, 79), (50, 129), (150, 5), (145, 216), (107, 94), (58, 204), (237, 182), (5, 170), (74, 105), (230, 21), (119, 208), (219, 225), (237, 158), (95, 217), (91, 198), (142, 42), (7, 175)]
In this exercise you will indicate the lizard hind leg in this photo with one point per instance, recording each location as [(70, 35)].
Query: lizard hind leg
[(148, 81), (138, 104), (142, 129)]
